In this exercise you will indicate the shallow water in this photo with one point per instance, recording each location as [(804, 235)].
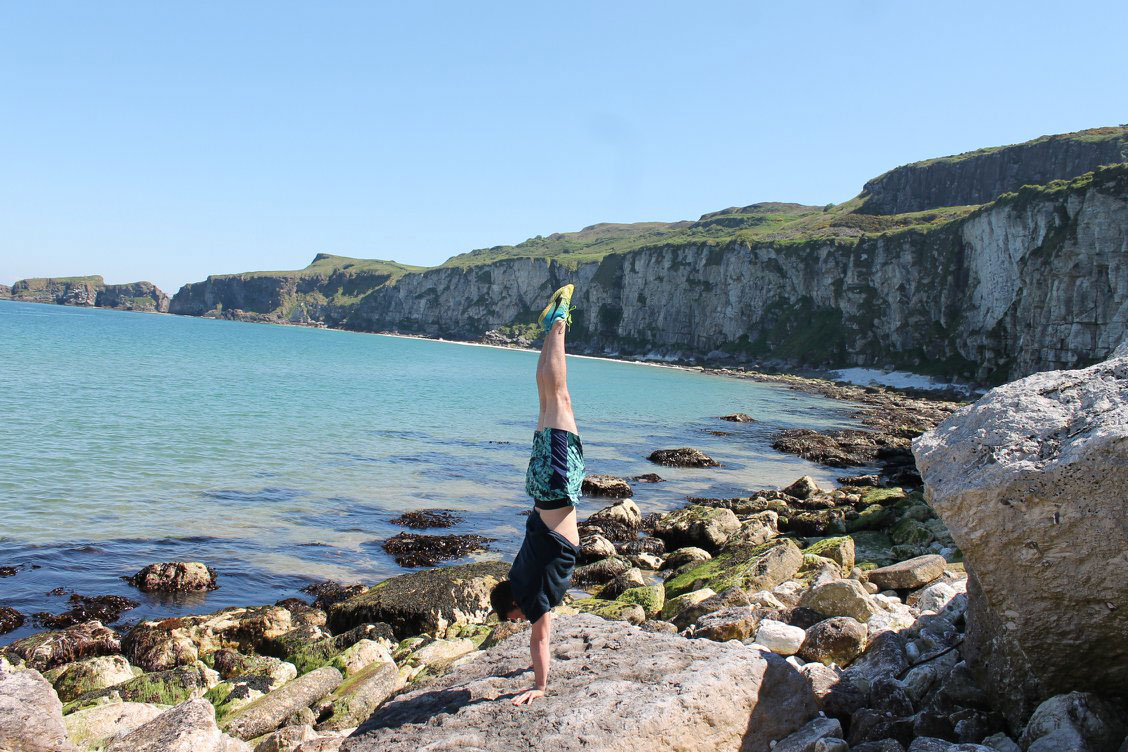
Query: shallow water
[(278, 455)]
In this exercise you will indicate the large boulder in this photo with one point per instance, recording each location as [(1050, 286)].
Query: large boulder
[(427, 601), (269, 711), (683, 457), (912, 573), (189, 727), (80, 677), (166, 643), (1031, 483), (174, 577), (700, 526), (606, 485), (31, 716), (102, 725), (751, 568), (652, 691), (47, 650)]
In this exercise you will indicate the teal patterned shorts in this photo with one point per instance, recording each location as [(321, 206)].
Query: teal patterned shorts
[(556, 468)]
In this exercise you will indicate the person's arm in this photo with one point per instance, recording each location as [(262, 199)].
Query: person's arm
[(539, 638)]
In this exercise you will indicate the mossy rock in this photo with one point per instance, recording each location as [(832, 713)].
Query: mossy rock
[(873, 517), (872, 549), (841, 549), (883, 496), (910, 532), (675, 606), (170, 687), (476, 633), (751, 568), (428, 601), (358, 696), (651, 597), (612, 610)]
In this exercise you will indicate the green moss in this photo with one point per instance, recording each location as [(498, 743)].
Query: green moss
[(883, 496), (652, 598), (872, 549), (745, 567), (612, 610)]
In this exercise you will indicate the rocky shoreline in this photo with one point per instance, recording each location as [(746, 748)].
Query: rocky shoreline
[(802, 619)]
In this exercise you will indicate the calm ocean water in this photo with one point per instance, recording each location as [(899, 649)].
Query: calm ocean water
[(278, 455)]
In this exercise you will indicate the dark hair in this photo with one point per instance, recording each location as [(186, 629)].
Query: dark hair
[(501, 598)]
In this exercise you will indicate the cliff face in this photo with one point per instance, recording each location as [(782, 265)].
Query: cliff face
[(1035, 281), (91, 291), (5, 292), (978, 177)]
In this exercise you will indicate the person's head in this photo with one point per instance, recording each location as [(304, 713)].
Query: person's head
[(501, 599)]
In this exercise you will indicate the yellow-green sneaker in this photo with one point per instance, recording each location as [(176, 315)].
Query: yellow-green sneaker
[(559, 307)]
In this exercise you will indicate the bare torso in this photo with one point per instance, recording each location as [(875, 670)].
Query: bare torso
[(563, 521)]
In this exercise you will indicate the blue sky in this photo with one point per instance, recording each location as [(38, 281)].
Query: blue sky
[(164, 141)]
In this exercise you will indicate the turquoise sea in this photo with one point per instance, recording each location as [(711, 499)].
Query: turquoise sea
[(278, 455)]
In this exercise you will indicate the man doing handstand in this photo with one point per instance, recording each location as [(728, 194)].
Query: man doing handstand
[(543, 568)]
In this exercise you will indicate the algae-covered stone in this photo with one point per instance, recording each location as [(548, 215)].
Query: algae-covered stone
[(683, 457), (427, 601), (840, 598), (163, 644), (175, 577), (803, 488), (231, 664), (170, 687), (651, 598), (673, 607), (872, 549), (354, 659), (751, 568), (359, 696), (308, 649), (701, 526), (101, 725), (840, 549), (74, 679), (268, 712), (911, 532), (885, 496), (872, 517), (47, 650), (611, 610)]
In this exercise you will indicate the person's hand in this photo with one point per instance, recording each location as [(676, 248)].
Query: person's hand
[(527, 697)]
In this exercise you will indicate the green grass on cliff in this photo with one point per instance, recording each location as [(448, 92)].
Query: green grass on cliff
[(41, 283), (1089, 136), (325, 264)]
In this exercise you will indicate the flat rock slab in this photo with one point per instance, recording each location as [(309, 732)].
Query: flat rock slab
[(268, 712), (911, 573), (613, 687)]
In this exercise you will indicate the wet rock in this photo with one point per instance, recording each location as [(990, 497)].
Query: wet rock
[(840, 598), (7, 571), (268, 712), (189, 727), (844, 448), (647, 478), (684, 457), (675, 686), (425, 601), (647, 545), (835, 695), (611, 610), (74, 679), (10, 619), (825, 522), (632, 578), (687, 555), (1049, 495), (49, 649), (751, 568), (1074, 722), (174, 577), (596, 547), (837, 640), (327, 593), (230, 664), (31, 716), (427, 518), (103, 608), (606, 485), (804, 488), (651, 598), (778, 637), (418, 550), (698, 526), (164, 644), (739, 418), (624, 512), (100, 726), (600, 572)]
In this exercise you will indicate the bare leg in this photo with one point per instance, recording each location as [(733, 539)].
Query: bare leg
[(552, 383)]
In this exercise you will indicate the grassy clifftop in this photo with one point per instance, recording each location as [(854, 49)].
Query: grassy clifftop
[(325, 264)]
